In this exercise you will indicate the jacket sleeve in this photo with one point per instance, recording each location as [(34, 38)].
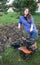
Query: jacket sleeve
[(20, 20), (32, 23), (32, 20)]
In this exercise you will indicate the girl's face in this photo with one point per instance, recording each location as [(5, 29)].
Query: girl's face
[(26, 12)]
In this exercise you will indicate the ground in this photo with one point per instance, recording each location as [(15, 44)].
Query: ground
[(11, 56)]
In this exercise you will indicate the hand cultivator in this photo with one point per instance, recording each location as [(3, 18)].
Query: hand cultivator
[(27, 48)]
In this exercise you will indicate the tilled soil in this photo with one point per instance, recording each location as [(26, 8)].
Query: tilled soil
[(9, 34)]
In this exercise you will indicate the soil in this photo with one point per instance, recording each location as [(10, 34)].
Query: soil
[(9, 34)]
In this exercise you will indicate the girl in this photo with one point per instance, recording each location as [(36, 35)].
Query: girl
[(28, 23), (29, 26)]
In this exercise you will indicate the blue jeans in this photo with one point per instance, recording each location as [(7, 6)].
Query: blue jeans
[(34, 34)]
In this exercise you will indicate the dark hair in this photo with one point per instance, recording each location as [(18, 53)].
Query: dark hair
[(29, 15)]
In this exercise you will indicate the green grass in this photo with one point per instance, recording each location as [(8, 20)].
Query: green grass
[(13, 17), (8, 18), (37, 18), (12, 57)]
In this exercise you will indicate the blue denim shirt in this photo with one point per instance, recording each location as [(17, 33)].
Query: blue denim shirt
[(26, 24)]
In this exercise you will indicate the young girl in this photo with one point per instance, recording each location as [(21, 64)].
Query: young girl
[(28, 22), (29, 26)]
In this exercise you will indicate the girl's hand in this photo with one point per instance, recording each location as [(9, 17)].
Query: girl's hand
[(19, 26), (23, 38), (31, 29)]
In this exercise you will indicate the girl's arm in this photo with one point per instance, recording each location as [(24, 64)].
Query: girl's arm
[(19, 26), (31, 29), (19, 23), (32, 24)]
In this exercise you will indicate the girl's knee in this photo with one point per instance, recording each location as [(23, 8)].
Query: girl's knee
[(35, 34), (35, 31)]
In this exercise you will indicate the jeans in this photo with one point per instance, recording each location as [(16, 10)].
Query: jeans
[(33, 34)]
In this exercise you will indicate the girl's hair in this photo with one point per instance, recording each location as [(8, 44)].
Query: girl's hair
[(29, 15)]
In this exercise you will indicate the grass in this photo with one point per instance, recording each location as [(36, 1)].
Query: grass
[(12, 57), (13, 18), (37, 18), (8, 18)]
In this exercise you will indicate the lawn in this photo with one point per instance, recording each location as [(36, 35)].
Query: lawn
[(12, 57), (14, 17)]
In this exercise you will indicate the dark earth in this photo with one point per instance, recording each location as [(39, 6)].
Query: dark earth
[(9, 35)]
